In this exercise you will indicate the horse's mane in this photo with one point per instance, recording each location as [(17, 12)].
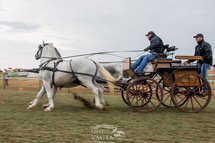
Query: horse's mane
[(51, 45), (58, 53)]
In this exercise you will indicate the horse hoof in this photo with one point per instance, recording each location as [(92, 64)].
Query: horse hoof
[(29, 107), (105, 103), (48, 109), (100, 106), (104, 109), (45, 106)]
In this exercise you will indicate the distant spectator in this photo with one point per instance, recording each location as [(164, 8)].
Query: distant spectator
[(5, 77)]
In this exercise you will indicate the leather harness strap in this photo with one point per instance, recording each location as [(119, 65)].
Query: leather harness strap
[(93, 79), (55, 69)]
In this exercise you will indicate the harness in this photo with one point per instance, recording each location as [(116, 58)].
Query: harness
[(54, 69), (57, 60)]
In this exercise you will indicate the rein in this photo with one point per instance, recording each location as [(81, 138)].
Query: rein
[(99, 53), (55, 69), (46, 62), (44, 65)]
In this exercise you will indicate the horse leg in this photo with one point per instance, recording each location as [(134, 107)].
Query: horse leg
[(39, 95), (47, 104), (95, 90), (50, 93), (101, 91)]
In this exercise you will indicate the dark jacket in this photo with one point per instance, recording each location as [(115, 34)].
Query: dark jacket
[(204, 49), (156, 44)]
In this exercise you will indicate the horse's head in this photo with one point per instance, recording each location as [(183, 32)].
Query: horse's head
[(47, 50)]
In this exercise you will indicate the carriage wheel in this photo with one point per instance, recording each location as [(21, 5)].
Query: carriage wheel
[(123, 90), (124, 97), (188, 93), (167, 102), (142, 94)]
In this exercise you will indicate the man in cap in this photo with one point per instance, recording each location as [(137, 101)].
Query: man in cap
[(203, 49), (156, 48)]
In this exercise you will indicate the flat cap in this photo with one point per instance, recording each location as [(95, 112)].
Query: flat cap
[(149, 33), (198, 35)]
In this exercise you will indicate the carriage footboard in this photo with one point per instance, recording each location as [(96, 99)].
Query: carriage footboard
[(127, 70)]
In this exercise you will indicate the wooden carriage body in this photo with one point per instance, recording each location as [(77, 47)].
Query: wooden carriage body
[(169, 69), (179, 85)]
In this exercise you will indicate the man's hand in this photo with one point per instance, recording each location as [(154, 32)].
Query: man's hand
[(146, 49), (187, 62)]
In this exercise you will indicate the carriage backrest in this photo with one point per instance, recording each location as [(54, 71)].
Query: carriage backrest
[(167, 51)]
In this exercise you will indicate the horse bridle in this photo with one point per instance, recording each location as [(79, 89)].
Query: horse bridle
[(39, 52)]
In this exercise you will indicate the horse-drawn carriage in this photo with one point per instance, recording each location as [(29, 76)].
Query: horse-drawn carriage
[(170, 82)]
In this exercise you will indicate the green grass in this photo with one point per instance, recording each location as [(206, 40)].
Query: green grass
[(71, 122)]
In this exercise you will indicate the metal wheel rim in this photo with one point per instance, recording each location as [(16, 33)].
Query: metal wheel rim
[(152, 103), (190, 98)]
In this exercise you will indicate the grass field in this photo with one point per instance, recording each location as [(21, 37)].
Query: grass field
[(71, 122)]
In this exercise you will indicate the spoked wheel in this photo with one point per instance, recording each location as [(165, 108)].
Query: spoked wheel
[(144, 94), (124, 97), (189, 93), (123, 90), (167, 102)]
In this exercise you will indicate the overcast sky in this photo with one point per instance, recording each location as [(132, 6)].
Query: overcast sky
[(86, 26)]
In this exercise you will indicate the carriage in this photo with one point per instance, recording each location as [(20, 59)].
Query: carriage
[(170, 83)]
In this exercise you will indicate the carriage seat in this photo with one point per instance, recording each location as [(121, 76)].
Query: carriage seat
[(162, 56), (171, 49), (165, 63), (162, 61), (167, 51)]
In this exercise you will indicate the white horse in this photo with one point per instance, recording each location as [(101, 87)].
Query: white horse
[(55, 72)]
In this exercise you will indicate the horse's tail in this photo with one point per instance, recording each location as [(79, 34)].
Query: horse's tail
[(107, 76)]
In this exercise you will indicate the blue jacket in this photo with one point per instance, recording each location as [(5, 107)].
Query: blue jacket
[(204, 49), (156, 44)]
